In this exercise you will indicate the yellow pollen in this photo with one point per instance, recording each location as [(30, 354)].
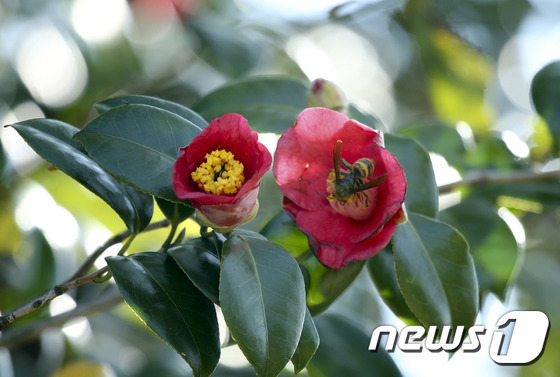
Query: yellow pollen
[(220, 174)]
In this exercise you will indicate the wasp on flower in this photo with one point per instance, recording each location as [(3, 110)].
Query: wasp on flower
[(347, 187), (365, 188)]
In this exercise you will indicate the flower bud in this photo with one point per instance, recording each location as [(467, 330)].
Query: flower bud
[(323, 93)]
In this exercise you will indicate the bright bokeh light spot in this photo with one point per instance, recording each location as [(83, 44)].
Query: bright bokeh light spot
[(525, 54), (466, 133), (290, 8), (78, 329), (445, 174), (340, 55), (96, 235), (233, 357), (514, 225), (517, 146), (269, 140), (99, 21), (62, 304), (51, 66), (19, 152), (36, 208)]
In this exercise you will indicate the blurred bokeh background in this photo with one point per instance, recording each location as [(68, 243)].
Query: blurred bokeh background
[(459, 66)]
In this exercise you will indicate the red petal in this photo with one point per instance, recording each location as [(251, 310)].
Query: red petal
[(343, 254), (304, 156), (232, 133)]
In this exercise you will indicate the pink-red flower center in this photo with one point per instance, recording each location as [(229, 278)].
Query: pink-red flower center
[(220, 174)]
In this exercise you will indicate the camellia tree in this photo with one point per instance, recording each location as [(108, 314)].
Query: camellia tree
[(360, 196), (342, 196)]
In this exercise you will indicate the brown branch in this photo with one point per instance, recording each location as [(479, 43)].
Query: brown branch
[(77, 278), (486, 178), (88, 263), (48, 296), (25, 334)]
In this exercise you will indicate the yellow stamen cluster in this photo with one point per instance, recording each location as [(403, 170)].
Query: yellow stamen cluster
[(220, 174)]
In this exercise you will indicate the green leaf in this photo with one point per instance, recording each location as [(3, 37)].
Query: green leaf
[(200, 262), (308, 344), (262, 297), (439, 138), (363, 117), (223, 47), (52, 140), (435, 271), (382, 270), (325, 284), (282, 230), (340, 336), (163, 297), (491, 242), (139, 144), (249, 233), (175, 212), (175, 108), (270, 104), (545, 92), (421, 191)]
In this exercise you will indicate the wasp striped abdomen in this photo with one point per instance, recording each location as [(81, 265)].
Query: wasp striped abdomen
[(363, 168)]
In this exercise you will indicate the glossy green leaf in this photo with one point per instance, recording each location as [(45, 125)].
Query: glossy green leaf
[(270, 104), (325, 285), (249, 233), (435, 272), (223, 47), (421, 191), (173, 211), (175, 108), (200, 262), (492, 244), (52, 140), (382, 270), (262, 297), (282, 230), (439, 138), (545, 92), (308, 344), (162, 296), (365, 118), (344, 352), (139, 144)]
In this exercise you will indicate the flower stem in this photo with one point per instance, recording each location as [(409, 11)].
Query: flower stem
[(487, 178), (169, 238)]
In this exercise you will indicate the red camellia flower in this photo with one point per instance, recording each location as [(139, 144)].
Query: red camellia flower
[(340, 185), (220, 172)]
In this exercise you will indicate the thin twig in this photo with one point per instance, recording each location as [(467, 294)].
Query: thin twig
[(76, 280), (25, 334), (48, 296), (88, 263), (485, 178)]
